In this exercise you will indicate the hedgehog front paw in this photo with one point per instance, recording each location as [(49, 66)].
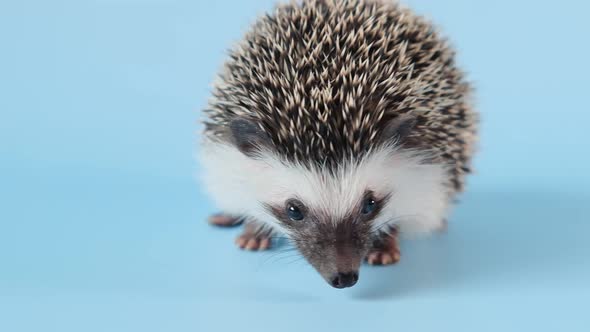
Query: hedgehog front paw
[(385, 250), (254, 238), (225, 220)]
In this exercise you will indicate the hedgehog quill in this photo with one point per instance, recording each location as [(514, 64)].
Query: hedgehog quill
[(339, 125)]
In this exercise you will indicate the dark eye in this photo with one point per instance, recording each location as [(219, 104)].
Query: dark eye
[(294, 212), (369, 205)]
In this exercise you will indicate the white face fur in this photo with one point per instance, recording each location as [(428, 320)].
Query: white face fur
[(241, 186)]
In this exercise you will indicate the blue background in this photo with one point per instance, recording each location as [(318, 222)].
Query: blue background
[(102, 224)]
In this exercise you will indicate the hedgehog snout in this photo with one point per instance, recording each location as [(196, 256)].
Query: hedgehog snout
[(337, 261)]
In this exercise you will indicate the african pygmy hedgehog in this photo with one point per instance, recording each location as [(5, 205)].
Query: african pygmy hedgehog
[(338, 123)]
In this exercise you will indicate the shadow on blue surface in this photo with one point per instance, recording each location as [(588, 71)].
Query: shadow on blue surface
[(493, 238)]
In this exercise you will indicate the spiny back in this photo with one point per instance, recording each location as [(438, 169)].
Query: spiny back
[(322, 78)]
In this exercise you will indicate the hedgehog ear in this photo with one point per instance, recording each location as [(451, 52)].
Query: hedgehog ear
[(247, 136), (399, 128)]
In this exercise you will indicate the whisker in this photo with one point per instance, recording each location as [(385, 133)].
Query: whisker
[(277, 259), (390, 224), (278, 253), (298, 259)]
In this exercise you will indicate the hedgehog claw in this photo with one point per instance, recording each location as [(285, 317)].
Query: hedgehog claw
[(224, 220), (253, 239), (385, 250)]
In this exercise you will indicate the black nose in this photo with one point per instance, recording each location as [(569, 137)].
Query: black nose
[(343, 280)]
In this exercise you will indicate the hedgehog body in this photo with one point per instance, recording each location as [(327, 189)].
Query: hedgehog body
[(326, 102)]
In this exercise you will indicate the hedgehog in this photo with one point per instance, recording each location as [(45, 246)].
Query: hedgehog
[(339, 125)]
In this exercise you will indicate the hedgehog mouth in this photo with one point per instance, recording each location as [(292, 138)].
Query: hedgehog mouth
[(344, 279), (338, 270), (341, 278)]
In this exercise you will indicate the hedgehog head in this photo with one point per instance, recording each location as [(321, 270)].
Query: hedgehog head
[(331, 214)]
